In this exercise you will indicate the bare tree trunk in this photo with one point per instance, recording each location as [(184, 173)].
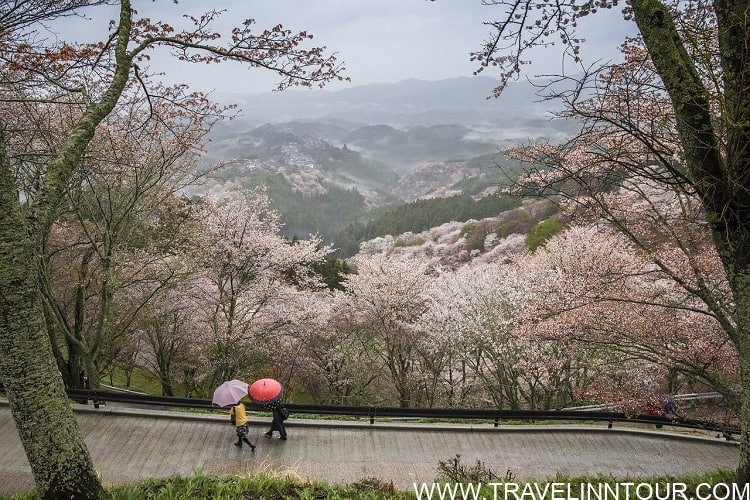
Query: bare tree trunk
[(54, 445), (59, 459), (719, 177), (743, 469), (739, 278)]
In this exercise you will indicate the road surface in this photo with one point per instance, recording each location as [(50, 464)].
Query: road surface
[(128, 445)]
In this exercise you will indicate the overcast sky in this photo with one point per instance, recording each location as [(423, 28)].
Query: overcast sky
[(377, 40)]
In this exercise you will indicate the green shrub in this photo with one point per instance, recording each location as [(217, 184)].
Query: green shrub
[(467, 228), (258, 486), (409, 242), (542, 232), (507, 228), (455, 471), (475, 240)]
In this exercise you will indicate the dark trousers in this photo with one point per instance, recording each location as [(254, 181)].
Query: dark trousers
[(277, 424), (242, 432)]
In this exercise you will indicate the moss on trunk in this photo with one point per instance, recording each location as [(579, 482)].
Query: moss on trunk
[(60, 462)]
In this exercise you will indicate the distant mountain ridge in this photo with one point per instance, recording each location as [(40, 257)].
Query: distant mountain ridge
[(462, 101), (329, 158), (400, 148)]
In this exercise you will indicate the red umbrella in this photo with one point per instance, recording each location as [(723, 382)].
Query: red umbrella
[(265, 390), (229, 393)]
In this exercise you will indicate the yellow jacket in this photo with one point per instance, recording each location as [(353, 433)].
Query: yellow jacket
[(240, 416)]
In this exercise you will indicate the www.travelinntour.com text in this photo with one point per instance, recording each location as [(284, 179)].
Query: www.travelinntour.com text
[(580, 491)]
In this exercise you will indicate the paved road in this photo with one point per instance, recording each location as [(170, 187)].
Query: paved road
[(129, 444)]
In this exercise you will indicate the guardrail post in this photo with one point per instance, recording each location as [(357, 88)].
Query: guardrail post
[(372, 416), (85, 384)]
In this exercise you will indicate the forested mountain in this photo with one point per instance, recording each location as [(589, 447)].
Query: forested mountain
[(476, 176), (285, 149), (349, 178), (419, 216), (320, 187), (405, 149), (321, 209), (315, 186)]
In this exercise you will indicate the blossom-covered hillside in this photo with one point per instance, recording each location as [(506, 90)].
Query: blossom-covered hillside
[(492, 239)]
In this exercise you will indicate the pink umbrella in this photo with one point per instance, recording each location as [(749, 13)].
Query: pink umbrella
[(229, 393), (265, 390)]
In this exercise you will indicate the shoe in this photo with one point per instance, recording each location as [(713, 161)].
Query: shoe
[(283, 438), (239, 445), (269, 433), (252, 447)]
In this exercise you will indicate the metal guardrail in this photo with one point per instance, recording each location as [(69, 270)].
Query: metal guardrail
[(99, 397), (682, 398), (374, 412), (697, 396)]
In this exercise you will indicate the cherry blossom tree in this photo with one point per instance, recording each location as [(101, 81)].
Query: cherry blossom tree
[(497, 360), (447, 359), (698, 62), (167, 342), (389, 299), (639, 329), (130, 224), (96, 304), (249, 278), (95, 77), (315, 352), (339, 366), (277, 341)]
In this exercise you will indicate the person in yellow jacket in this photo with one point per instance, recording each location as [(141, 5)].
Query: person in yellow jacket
[(238, 416)]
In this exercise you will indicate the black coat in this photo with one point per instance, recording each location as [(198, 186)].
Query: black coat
[(277, 424)]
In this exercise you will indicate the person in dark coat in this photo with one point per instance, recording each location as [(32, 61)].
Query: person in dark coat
[(670, 405), (279, 415)]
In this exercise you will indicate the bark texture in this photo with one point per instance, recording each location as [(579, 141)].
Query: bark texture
[(719, 173), (59, 459), (53, 443)]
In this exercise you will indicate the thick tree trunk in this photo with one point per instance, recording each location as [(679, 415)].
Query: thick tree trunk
[(60, 462), (739, 277), (54, 446), (743, 469), (719, 174)]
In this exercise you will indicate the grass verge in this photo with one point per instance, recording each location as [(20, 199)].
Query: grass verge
[(204, 486)]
